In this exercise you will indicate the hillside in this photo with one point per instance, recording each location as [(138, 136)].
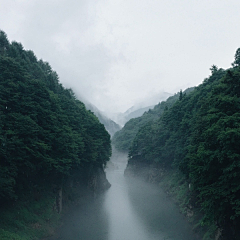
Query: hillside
[(109, 124), (122, 139), (49, 144), (200, 136)]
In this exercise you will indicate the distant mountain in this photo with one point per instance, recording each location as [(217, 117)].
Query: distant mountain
[(138, 109), (109, 124), (137, 113), (122, 140)]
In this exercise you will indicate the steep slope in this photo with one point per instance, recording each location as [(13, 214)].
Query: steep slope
[(109, 124), (139, 108), (200, 136), (137, 113), (122, 139), (49, 143)]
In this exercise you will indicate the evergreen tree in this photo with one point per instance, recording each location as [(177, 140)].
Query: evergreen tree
[(46, 134), (236, 58)]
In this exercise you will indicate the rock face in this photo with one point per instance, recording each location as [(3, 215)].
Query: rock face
[(153, 173), (59, 200), (83, 186), (150, 173), (98, 182)]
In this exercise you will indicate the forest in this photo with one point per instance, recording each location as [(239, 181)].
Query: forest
[(124, 137), (48, 140), (197, 133)]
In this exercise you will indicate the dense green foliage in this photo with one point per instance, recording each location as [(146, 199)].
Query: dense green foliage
[(29, 219), (200, 135), (46, 135), (122, 139)]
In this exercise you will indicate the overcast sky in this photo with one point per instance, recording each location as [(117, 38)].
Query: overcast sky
[(115, 53)]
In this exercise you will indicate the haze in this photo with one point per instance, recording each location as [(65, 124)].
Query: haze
[(119, 53)]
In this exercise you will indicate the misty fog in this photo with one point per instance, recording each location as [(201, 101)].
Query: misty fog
[(130, 210)]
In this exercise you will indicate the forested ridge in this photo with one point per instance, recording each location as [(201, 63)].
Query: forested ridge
[(122, 139), (200, 135), (47, 137)]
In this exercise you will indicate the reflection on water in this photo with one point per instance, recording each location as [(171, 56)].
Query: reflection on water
[(129, 210), (123, 221), (139, 210)]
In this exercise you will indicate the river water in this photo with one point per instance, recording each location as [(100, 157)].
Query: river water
[(130, 210)]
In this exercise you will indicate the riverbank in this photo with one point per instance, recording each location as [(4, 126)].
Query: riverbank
[(38, 214), (130, 209), (30, 218), (175, 185)]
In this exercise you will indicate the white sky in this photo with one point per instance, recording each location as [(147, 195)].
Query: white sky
[(118, 52)]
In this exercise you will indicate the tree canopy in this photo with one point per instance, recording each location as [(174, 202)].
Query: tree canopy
[(200, 135), (122, 139), (46, 134)]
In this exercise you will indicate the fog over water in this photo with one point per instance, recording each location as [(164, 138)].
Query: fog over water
[(129, 210)]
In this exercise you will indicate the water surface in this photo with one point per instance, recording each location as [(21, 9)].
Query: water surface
[(130, 210)]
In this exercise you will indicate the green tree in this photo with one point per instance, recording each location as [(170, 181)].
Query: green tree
[(4, 44), (236, 58), (46, 134)]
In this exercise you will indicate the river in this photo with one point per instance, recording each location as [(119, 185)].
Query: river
[(130, 210)]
